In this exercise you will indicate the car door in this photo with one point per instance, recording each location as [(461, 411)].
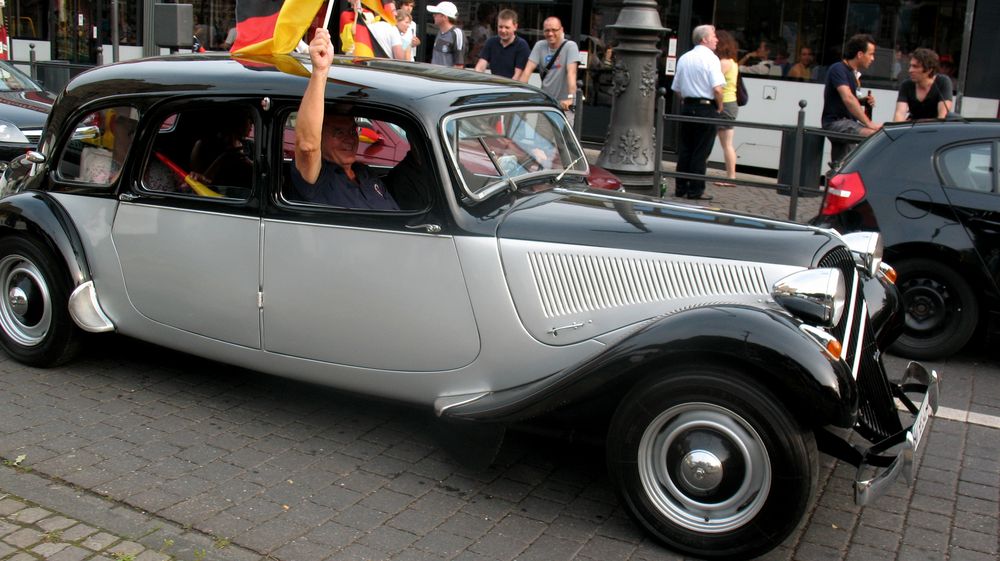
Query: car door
[(381, 290), (968, 173), (189, 248)]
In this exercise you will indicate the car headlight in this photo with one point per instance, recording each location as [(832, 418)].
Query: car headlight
[(816, 296), (10, 133), (867, 248)]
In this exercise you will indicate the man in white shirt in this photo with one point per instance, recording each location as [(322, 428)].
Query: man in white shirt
[(387, 35), (699, 82)]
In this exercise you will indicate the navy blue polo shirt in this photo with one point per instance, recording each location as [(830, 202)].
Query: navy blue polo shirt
[(505, 60), (334, 188)]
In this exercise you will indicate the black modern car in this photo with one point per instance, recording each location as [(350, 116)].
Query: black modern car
[(931, 189), (24, 106)]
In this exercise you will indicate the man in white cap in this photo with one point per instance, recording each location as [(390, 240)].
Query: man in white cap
[(449, 47)]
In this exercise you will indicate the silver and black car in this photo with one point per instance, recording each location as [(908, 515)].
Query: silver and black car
[(24, 106), (723, 351)]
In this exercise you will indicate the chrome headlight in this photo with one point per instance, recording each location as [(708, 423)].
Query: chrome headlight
[(10, 133), (816, 295), (867, 248)]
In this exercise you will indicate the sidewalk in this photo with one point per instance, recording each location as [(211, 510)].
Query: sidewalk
[(40, 519)]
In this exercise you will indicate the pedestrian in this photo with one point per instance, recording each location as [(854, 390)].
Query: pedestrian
[(556, 59), (505, 54), (726, 51), (387, 36), (406, 7), (698, 79), (449, 46), (403, 21), (927, 94), (482, 31), (844, 102)]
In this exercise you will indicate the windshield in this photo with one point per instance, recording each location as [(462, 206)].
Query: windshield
[(490, 148), (13, 80)]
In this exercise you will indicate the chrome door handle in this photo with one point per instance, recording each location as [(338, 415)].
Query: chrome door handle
[(429, 228)]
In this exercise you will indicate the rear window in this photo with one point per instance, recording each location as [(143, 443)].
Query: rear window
[(968, 166)]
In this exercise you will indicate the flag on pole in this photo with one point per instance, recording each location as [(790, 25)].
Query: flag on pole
[(272, 26), (355, 36)]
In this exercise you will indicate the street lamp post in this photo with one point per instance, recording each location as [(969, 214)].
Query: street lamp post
[(629, 150)]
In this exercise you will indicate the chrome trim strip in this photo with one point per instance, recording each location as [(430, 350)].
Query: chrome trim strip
[(849, 322), (861, 334), (86, 310), (445, 403)]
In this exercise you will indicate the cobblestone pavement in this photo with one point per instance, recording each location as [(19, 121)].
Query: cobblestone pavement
[(223, 463), (136, 452)]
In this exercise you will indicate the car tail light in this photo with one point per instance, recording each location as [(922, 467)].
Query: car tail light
[(843, 191)]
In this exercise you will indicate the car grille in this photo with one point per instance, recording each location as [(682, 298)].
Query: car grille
[(877, 416)]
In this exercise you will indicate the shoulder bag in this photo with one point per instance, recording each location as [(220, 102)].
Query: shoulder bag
[(552, 61), (742, 97)]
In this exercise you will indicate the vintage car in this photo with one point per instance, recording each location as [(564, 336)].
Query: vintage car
[(718, 352)]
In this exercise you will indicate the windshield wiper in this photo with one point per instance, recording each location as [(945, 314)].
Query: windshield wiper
[(496, 163), (569, 167)]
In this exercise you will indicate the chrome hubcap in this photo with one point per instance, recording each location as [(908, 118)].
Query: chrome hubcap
[(704, 467), (26, 312)]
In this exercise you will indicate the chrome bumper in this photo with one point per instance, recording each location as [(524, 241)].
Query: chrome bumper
[(874, 477)]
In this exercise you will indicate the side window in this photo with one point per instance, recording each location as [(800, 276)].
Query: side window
[(969, 166), (101, 140), (389, 172), (203, 152)]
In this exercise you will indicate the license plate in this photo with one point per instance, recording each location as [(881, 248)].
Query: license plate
[(921, 422)]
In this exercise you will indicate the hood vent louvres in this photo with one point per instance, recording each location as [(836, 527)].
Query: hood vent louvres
[(570, 284)]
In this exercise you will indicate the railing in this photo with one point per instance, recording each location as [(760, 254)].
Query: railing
[(799, 132), (53, 74)]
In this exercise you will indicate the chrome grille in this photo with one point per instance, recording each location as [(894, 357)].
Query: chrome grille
[(570, 284), (877, 417)]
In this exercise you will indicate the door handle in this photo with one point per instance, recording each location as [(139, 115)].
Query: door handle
[(429, 228)]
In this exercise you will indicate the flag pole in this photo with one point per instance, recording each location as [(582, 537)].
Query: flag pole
[(329, 10)]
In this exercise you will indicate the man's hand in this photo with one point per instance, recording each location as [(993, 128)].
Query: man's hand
[(416, 41), (566, 104), (321, 50)]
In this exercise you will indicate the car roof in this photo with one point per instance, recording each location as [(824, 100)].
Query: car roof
[(972, 128), (428, 90)]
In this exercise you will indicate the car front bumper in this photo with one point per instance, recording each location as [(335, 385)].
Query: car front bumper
[(884, 462)]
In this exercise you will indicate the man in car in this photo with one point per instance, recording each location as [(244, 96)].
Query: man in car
[(326, 146)]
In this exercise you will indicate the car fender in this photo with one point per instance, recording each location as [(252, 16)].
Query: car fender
[(765, 343), (41, 215)]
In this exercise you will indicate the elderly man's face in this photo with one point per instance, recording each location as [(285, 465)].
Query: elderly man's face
[(340, 140)]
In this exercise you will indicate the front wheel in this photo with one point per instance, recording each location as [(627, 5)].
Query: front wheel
[(711, 463), (35, 326), (941, 310)]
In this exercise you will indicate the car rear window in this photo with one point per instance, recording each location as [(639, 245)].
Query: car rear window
[(968, 166)]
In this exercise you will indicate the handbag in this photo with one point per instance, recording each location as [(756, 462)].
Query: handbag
[(742, 97)]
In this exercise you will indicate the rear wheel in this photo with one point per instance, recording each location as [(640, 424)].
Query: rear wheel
[(941, 310), (712, 464), (35, 326)]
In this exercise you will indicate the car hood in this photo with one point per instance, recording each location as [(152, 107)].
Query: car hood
[(632, 222), (26, 109)]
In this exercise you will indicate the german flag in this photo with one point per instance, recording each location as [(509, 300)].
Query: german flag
[(272, 26), (354, 34)]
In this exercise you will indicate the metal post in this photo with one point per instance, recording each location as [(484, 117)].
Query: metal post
[(661, 109), (31, 61), (628, 146), (963, 66), (578, 110), (797, 160), (114, 31), (100, 55)]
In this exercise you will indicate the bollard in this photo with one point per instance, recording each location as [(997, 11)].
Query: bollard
[(100, 55), (661, 109), (797, 161), (31, 61), (578, 110)]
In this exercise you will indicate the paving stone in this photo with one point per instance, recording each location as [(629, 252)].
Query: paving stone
[(78, 532), (71, 553), (99, 541), (22, 556), (976, 541), (5, 550), (960, 554), (911, 553), (30, 515), (6, 528), (150, 555), (126, 548), (876, 537), (47, 549), (442, 543), (23, 538), (10, 506), (55, 523)]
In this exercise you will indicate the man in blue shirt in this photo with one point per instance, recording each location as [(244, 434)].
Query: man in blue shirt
[(505, 54), (843, 100), (326, 146)]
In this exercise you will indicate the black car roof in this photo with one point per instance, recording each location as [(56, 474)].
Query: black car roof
[(427, 89), (971, 128)]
